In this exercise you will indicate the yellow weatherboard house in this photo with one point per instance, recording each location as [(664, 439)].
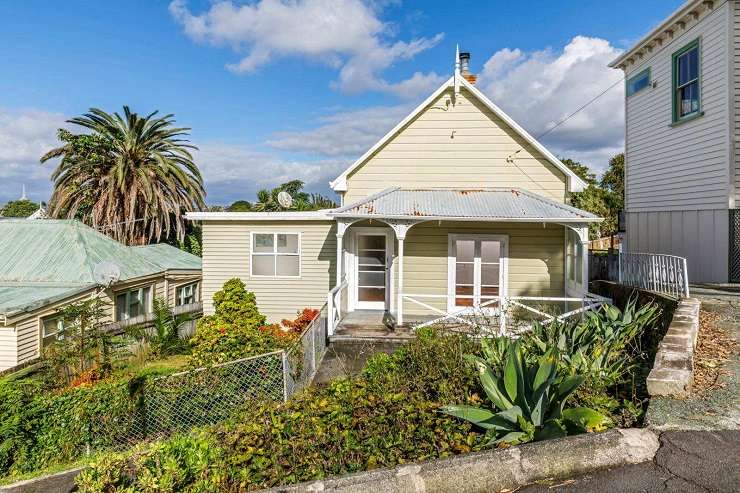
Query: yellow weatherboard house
[(456, 209)]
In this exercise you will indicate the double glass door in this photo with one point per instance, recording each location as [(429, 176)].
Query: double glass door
[(477, 273)]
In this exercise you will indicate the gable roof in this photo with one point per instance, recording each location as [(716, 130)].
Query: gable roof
[(499, 204), (574, 182), (57, 252)]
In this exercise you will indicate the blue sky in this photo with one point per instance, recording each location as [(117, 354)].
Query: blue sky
[(275, 90)]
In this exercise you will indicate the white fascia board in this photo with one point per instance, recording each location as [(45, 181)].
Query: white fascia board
[(320, 215), (556, 220), (574, 182), (677, 14)]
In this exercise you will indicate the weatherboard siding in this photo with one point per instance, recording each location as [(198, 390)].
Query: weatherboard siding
[(226, 254), (681, 167), (462, 145), (536, 259), (8, 344), (681, 179)]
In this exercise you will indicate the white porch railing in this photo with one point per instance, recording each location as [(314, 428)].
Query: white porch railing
[(502, 307), (665, 274), (336, 305)]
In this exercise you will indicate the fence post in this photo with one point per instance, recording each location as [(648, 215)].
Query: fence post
[(285, 375), (685, 278)]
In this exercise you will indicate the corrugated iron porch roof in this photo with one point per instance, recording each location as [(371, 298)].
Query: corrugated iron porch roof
[(470, 204)]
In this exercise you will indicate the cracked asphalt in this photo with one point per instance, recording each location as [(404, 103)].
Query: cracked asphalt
[(687, 461)]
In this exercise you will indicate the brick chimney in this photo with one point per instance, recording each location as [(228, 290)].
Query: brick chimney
[(465, 68)]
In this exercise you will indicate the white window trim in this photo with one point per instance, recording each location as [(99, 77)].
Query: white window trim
[(178, 291), (127, 291), (452, 260), (275, 253)]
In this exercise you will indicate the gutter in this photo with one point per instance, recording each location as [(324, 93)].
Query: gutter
[(478, 219), (320, 215)]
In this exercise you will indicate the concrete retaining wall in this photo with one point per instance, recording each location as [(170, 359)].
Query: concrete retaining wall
[(673, 369), (497, 470)]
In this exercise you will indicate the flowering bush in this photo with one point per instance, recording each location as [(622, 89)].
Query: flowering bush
[(305, 317)]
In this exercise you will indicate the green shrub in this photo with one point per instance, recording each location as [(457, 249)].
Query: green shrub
[(183, 463), (39, 428), (233, 331), (234, 304)]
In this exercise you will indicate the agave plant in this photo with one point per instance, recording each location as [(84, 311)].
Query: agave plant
[(596, 346), (528, 401)]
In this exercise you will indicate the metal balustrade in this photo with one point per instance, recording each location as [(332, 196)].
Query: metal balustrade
[(666, 274)]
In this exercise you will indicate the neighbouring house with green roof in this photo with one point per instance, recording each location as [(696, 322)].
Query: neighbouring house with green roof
[(48, 264)]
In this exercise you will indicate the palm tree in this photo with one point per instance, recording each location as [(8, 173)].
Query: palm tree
[(132, 177)]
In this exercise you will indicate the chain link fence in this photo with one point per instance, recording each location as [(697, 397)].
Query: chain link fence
[(179, 402)]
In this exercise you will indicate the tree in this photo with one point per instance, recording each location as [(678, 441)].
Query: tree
[(84, 350), (613, 180), (240, 206), (603, 197), (132, 177), (267, 200), (19, 208)]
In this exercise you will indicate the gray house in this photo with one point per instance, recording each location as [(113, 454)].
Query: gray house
[(682, 169)]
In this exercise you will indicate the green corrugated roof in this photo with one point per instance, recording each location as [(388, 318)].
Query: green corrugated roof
[(43, 259), (169, 257), (27, 298)]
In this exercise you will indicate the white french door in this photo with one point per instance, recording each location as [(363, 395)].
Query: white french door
[(372, 262), (476, 270)]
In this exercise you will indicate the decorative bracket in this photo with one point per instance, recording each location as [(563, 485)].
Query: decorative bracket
[(401, 226)]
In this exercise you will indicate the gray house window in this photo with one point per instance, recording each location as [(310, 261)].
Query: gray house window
[(638, 82), (185, 295), (52, 328), (132, 303), (686, 83)]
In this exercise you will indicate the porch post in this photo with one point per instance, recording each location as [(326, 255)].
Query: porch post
[(400, 227), (341, 228), (399, 302), (583, 236), (340, 260)]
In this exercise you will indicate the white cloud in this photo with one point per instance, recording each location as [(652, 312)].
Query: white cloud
[(345, 133), (25, 135), (232, 172), (346, 34), (541, 88)]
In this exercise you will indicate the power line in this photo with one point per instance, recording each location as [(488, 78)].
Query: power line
[(511, 160), (592, 100)]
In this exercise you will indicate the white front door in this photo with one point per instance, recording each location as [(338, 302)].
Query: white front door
[(476, 271), (372, 261)]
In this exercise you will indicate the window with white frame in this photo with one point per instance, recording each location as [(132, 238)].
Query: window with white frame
[(52, 329), (134, 302), (187, 294), (275, 255)]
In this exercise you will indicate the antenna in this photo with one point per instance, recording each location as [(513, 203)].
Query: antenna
[(106, 273), (284, 199)]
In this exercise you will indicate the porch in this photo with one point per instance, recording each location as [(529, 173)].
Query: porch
[(462, 258)]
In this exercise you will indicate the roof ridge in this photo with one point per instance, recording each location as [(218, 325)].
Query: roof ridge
[(83, 242)]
